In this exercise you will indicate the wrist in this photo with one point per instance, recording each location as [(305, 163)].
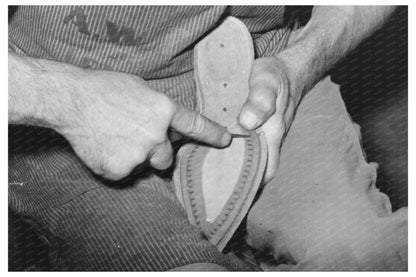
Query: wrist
[(26, 92), (54, 89), (293, 74), (46, 93), (70, 97)]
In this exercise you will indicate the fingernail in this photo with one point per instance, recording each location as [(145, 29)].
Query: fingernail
[(226, 139), (249, 120)]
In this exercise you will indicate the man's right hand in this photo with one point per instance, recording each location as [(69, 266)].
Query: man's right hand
[(118, 122)]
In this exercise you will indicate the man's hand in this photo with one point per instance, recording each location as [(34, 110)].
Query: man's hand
[(113, 120), (329, 35), (119, 122), (270, 105)]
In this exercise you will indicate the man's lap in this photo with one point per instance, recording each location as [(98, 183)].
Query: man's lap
[(94, 225)]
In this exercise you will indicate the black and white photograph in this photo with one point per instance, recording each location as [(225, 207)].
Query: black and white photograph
[(192, 138)]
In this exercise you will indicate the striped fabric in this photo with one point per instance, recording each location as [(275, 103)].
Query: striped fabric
[(153, 42), (91, 224)]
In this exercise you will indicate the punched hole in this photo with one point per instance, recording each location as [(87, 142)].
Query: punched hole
[(225, 85), (224, 109)]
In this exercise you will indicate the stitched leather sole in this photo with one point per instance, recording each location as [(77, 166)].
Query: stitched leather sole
[(217, 186)]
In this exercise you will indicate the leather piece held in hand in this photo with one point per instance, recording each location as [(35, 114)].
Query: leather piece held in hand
[(217, 186)]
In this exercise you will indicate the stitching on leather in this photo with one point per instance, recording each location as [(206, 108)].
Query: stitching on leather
[(210, 230), (234, 197), (189, 185), (236, 194)]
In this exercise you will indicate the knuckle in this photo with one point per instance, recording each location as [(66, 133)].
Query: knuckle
[(114, 171), (139, 158), (259, 98), (115, 166), (152, 137), (158, 139), (268, 107), (100, 165), (263, 103), (119, 166)]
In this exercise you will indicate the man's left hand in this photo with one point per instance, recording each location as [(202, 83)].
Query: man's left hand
[(270, 105)]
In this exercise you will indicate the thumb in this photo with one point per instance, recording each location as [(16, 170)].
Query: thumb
[(261, 100), (194, 125), (259, 106)]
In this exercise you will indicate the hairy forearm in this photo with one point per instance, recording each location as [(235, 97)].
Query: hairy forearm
[(331, 33), (41, 92)]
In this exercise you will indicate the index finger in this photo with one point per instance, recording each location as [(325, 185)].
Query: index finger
[(194, 125)]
